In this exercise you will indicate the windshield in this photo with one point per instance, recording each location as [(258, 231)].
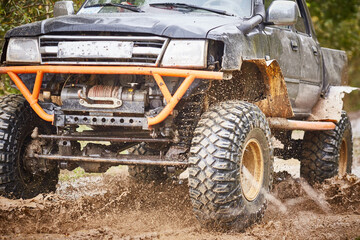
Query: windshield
[(239, 8)]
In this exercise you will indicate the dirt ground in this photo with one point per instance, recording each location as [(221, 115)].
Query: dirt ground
[(112, 206)]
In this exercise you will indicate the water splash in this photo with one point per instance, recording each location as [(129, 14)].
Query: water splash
[(318, 198), (270, 197)]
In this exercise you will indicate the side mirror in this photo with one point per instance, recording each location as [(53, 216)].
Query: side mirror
[(282, 13), (63, 8)]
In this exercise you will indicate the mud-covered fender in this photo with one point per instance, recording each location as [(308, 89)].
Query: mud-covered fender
[(276, 102)]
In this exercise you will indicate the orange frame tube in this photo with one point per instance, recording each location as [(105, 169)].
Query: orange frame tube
[(32, 98), (157, 73), (282, 123)]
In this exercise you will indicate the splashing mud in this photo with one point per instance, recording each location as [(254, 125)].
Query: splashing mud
[(115, 207), (343, 193), (112, 206)]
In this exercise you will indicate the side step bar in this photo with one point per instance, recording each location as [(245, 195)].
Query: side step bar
[(282, 123), (121, 160)]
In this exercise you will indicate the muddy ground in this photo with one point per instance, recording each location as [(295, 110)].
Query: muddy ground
[(112, 206)]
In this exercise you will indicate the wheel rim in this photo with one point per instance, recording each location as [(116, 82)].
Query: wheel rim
[(252, 170), (343, 158)]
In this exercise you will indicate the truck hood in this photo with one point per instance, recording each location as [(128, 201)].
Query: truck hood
[(172, 25)]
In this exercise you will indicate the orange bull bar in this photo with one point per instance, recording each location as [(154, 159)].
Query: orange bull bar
[(157, 73)]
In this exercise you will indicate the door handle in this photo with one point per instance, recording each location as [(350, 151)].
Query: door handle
[(315, 50), (294, 45)]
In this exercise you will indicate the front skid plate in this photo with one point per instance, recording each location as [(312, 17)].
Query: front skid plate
[(63, 120)]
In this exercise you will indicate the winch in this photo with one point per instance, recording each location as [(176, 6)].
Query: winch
[(102, 98)]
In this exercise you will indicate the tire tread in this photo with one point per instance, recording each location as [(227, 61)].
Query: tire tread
[(213, 172), (320, 152)]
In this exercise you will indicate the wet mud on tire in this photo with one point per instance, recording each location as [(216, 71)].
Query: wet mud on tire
[(231, 150)]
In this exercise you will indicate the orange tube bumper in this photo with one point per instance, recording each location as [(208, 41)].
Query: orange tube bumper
[(157, 73)]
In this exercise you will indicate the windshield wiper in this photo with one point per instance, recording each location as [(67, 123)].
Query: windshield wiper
[(184, 5), (127, 7)]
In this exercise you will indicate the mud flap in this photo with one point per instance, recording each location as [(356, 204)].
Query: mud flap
[(330, 107)]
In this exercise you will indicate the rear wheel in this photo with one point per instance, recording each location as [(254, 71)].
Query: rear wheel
[(231, 166), (146, 173), (326, 154), (19, 177)]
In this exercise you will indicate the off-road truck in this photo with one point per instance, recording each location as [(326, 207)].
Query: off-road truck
[(201, 85)]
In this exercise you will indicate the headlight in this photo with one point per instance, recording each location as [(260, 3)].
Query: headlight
[(185, 53), (23, 50)]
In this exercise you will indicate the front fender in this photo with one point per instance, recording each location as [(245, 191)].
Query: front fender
[(276, 102)]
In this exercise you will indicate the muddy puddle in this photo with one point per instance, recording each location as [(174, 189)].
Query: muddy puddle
[(112, 206)]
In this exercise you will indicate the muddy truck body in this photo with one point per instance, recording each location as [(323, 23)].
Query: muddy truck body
[(174, 85)]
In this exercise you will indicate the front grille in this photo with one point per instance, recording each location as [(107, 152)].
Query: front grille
[(146, 51)]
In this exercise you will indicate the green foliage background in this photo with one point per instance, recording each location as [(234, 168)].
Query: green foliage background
[(18, 12), (337, 23)]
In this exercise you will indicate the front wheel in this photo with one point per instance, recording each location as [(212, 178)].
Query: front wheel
[(231, 166), (19, 177)]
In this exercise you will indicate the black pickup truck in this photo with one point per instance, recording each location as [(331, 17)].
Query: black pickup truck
[(171, 85)]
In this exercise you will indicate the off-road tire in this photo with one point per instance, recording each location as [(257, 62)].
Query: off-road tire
[(17, 121), (146, 173), (320, 157), (216, 156)]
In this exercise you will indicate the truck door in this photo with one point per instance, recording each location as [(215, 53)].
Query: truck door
[(284, 47), (311, 61), (299, 57)]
